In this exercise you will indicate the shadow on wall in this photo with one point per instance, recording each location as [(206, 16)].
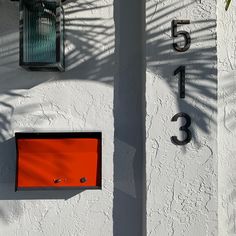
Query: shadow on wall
[(129, 116), (129, 87), (90, 56), (166, 203), (200, 60)]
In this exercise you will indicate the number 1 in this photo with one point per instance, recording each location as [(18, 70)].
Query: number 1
[(181, 70)]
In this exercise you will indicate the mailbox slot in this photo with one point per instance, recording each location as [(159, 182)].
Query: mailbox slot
[(58, 160)]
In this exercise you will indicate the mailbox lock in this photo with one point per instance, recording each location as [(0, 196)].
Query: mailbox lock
[(83, 180), (57, 181)]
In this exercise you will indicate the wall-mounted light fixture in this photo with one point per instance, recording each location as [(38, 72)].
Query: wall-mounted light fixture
[(42, 34)]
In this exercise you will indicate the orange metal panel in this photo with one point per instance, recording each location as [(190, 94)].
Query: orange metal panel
[(58, 162)]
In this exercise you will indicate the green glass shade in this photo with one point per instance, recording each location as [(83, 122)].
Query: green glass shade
[(42, 43)]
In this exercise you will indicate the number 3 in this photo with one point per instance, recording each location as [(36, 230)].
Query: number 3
[(176, 33), (184, 128)]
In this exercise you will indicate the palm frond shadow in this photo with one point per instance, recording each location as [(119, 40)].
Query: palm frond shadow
[(89, 56), (93, 53), (200, 61)]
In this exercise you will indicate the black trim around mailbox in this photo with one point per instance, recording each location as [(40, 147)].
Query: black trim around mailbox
[(57, 135)]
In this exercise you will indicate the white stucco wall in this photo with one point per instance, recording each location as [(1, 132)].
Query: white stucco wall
[(226, 118), (181, 181), (81, 99)]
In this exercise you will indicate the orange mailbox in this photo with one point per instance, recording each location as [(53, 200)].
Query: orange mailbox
[(58, 160)]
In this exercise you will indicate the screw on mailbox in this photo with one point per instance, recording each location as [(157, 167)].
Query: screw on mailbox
[(83, 180), (56, 181)]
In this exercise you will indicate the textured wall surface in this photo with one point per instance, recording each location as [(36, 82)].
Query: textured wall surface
[(227, 118), (181, 181), (81, 99)]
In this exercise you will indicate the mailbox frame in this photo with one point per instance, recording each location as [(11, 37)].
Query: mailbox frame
[(57, 135)]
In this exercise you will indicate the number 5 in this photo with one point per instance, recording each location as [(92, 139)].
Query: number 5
[(176, 33)]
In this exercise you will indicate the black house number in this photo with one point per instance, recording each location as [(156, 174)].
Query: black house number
[(183, 128), (181, 71), (185, 34)]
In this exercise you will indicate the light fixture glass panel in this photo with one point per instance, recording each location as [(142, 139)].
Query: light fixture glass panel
[(40, 33)]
